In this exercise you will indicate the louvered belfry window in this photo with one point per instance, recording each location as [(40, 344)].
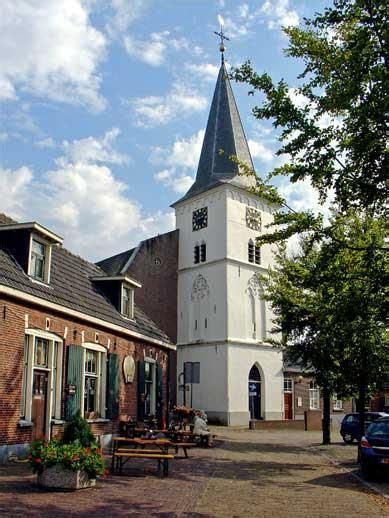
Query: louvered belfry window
[(251, 251)]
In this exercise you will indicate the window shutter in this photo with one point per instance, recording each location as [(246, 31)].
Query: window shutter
[(74, 377), (141, 390), (113, 382), (159, 380)]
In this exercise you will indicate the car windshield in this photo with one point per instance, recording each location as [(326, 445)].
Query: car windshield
[(380, 429)]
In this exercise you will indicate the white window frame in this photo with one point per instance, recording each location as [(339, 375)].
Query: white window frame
[(47, 245), (314, 396), (288, 381), (54, 382), (153, 402), (131, 301), (101, 377), (337, 404)]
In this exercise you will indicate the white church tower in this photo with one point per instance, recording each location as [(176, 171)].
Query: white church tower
[(223, 321)]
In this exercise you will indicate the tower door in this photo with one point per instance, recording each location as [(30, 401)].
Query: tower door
[(255, 393)]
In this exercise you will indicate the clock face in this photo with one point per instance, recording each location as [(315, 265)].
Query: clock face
[(253, 218), (200, 218)]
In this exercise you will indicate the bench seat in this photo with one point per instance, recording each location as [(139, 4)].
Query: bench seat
[(162, 458)]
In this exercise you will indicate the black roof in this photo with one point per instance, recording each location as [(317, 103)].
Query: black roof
[(224, 132), (115, 264), (71, 287)]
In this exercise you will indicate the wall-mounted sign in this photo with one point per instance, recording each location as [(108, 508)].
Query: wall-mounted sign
[(71, 389), (128, 369)]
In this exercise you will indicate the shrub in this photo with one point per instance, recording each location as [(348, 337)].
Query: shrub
[(78, 430), (73, 456)]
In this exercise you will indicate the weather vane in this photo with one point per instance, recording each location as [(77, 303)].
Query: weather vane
[(222, 38)]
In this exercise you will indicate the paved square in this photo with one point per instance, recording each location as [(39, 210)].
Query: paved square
[(250, 473)]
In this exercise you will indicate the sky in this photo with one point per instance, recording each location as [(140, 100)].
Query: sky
[(104, 103)]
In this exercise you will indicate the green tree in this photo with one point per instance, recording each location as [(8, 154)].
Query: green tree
[(336, 137), (329, 304)]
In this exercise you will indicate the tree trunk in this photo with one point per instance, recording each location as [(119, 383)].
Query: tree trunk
[(326, 427), (361, 408)]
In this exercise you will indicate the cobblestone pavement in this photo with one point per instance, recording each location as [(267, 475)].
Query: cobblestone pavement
[(250, 473)]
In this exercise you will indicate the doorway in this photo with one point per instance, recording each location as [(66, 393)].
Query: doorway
[(255, 393), (288, 398), (39, 404)]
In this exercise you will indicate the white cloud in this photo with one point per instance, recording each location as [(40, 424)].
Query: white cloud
[(154, 51), (154, 111), (260, 151), (180, 162), (302, 196), (94, 150), (124, 13), (45, 143), (205, 71), (14, 190), (279, 13), (3, 136), (51, 50), (82, 200)]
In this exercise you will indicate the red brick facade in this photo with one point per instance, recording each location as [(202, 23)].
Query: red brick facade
[(15, 317)]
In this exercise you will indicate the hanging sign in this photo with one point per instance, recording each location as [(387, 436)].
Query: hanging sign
[(128, 369)]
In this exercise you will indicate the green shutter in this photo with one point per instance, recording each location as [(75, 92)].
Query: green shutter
[(113, 381), (159, 401), (141, 390), (74, 377)]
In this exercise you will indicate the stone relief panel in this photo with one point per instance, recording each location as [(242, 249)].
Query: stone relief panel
[(200, 288), (254, 287)]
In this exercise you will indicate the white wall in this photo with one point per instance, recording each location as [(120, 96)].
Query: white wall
[(211, 394), (269, 361)]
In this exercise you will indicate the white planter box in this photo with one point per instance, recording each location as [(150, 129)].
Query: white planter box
[(57, 477)]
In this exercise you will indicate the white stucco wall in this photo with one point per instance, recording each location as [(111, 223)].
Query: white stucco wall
[(269, 362), (212, 393)]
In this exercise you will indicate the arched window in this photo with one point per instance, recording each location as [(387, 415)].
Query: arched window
[(257, 254), (251, 251), (203, 252), (197, 253)]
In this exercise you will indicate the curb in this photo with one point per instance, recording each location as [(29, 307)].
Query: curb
[(364, 482)]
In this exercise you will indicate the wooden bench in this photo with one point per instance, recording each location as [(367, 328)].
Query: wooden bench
[(163, 459), (183, 445)]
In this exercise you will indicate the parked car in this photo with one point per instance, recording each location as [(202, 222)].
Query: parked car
[(374, 447), (349, 428)]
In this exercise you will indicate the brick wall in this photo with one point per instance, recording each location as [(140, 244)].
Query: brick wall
[(301, 390), (12, 328), (158, 295)]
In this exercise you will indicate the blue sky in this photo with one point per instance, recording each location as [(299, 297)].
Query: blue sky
[(103, 105)]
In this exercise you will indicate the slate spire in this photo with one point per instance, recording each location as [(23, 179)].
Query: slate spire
[(224, 137)]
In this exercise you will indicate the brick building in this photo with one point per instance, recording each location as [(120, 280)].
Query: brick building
[(72, 337)]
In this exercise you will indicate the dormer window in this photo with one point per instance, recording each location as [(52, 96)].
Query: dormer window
[(31, 245), (127, 301), (38, 260)]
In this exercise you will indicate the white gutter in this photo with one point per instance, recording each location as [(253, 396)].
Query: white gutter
[(12, 292)]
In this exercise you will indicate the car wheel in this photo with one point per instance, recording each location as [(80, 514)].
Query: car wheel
[(367, 470), (348, 438)]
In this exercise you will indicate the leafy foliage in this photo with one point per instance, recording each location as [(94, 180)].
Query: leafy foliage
[(336, 134), (73, 456), (78, 430)]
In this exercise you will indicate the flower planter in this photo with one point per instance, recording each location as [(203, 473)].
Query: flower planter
[(58, 477)]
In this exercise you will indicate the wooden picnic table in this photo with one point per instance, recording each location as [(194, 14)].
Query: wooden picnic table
[(158, 449)]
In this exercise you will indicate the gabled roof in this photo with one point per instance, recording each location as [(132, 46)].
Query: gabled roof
[(114, 265), (224, 137), (72, 287)]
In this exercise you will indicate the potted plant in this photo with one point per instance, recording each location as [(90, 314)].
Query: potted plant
[(73, 463)]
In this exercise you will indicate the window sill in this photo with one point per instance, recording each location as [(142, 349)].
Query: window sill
[(58, 421), (25, 424), (98, 420)]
